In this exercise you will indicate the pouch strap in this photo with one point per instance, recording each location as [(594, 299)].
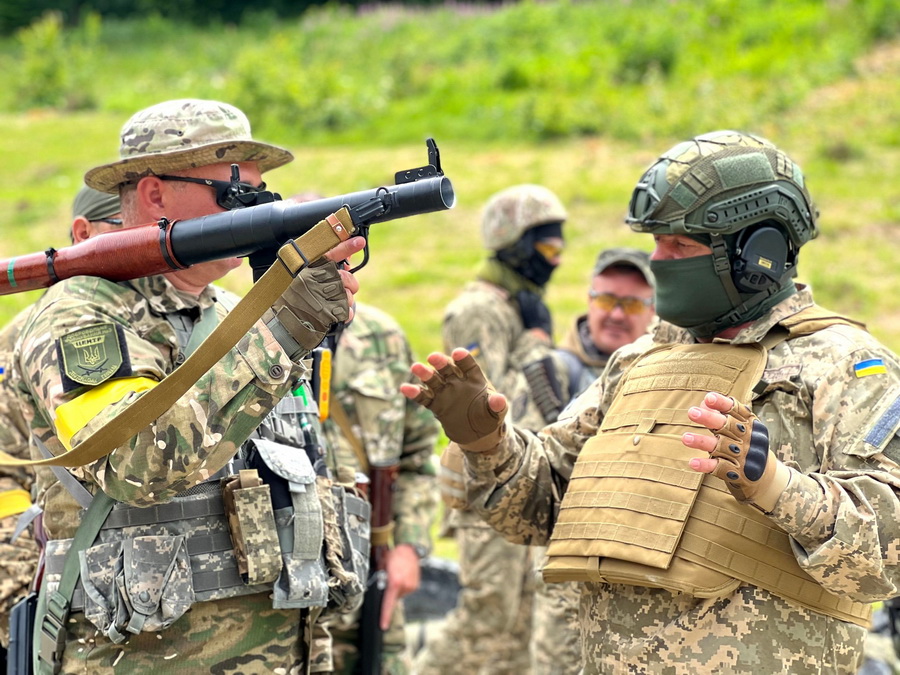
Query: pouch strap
[(50, 625)]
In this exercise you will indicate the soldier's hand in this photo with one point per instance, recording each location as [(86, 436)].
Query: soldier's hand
[(404, 572), (463, 401), (320, 296), (739, 451)]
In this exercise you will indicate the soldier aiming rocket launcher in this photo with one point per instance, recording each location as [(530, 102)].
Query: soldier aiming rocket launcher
[(259, 224)]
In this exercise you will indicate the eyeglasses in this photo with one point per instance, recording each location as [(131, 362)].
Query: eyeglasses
[(231, 194), (112, 221), (629, 304), (548, 250)]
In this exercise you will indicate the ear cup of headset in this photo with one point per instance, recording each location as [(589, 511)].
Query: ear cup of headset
[(760, 257)]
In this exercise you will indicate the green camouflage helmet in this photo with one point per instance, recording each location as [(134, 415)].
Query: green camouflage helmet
[(721, 183), (515, 210)]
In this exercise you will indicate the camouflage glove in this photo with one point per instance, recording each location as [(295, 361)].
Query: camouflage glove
[(534, 312), (750, 470), (458, 394), (315, 301)]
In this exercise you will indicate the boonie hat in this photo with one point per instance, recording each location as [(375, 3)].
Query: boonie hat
[(183, 134), (94, 205), (625, 257)]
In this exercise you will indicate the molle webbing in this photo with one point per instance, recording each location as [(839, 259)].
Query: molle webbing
[(635, 513)]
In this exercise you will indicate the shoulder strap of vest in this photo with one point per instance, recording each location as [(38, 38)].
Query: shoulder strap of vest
[(806, 322), (815, 318)]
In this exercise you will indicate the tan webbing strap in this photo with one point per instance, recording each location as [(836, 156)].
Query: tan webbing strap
[(315, 243), (378, 536), (339, 415)]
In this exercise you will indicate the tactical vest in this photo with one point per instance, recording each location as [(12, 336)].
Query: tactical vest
[(295, 534), (635, 513)]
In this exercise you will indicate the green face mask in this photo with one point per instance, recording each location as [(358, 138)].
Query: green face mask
[(689, 292)]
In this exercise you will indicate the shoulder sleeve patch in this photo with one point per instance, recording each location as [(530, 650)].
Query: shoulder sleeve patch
[(90, 356)]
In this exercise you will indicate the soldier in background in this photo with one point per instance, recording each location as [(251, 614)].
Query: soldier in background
[(372, 422), (727, 491), (19, 558), (620, 310), (503, 321)]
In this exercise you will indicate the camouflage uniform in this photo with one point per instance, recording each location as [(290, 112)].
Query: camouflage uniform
[(556, 632), (18, 560), (490, 629), (837, 431), (372, 360), (187, 444)]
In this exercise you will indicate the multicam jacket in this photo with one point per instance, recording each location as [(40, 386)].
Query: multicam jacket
[(372, 360), (832, 423), (197, 436)]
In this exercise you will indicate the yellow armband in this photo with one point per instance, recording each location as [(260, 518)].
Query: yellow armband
[(74, 415)]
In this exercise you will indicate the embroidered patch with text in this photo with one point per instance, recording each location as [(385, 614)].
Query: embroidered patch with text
[(90, 356)]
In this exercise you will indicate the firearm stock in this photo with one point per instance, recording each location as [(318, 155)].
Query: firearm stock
[(255, 232)]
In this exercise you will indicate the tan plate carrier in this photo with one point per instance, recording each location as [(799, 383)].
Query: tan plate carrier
[(635, 513)]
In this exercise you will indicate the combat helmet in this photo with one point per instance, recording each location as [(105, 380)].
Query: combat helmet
[(513, 211), (742, 196)]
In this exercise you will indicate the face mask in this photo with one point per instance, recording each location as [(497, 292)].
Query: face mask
[(689, 292), (536, 269)]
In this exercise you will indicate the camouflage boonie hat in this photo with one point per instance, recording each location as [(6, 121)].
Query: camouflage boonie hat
[(94, 205), (625, 257), (513, 211), (183, 134), (721, 183)]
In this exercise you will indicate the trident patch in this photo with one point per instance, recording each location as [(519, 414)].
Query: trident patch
[(90, 356)]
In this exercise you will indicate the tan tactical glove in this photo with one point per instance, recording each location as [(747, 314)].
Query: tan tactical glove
[(458, 394), (751, 471), (306, 311)]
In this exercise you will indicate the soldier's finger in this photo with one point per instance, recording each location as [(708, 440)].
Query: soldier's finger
[(699, 441), (422, 371), (387, 607), (497, 403), (703, 464), (410, 391), (450, 371), (438, 360), (716, 401), (711, 419)]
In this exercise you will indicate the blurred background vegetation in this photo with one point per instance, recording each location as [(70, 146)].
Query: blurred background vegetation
[(579, 96)]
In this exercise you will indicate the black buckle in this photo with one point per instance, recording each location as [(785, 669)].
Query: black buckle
[(293, 274)]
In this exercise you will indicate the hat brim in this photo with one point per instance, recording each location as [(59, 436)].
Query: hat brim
[(109, 177)]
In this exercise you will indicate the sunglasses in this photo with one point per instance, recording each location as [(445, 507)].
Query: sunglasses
[(548, 250), (629, 304), (112, 221), (230, 195)]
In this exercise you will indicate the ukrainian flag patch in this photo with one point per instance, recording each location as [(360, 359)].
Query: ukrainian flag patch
[(869, 367), (474, 349)]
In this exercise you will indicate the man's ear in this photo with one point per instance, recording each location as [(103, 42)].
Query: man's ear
[(150, 196), (81, 229)]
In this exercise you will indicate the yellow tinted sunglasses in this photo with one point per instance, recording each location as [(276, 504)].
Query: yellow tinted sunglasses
[(548, 250), (629, 304)]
